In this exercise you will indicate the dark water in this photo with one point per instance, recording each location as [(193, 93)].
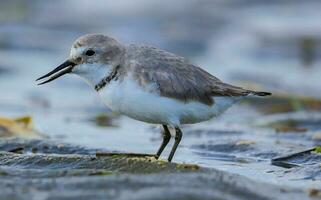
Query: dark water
[(271, 46)]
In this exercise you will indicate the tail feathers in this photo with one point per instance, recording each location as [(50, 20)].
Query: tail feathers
[(261, 94)]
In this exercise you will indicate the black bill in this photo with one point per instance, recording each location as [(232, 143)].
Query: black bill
[(62, 69)]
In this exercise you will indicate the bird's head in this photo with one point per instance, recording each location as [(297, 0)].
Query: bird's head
[(91, 57)]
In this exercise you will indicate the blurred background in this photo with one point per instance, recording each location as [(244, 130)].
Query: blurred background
[(267, 45)]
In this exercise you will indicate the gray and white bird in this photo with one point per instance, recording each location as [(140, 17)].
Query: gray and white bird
[(149, 84)]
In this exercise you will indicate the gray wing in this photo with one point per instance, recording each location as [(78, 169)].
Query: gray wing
[(175, 77)]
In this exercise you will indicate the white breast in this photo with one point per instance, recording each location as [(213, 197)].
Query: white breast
[(130, 99)]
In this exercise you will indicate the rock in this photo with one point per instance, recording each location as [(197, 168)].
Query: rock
[(18, 127), (58, 175), (279, 103)]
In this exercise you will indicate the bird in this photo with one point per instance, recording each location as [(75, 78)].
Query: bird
[(149, 84)]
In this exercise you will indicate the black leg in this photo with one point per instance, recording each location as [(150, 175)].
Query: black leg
[(178, 137), (166, 138)]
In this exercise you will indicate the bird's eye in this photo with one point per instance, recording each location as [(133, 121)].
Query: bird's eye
[(90, 52)]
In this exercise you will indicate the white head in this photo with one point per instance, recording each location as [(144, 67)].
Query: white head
[(91, 57)]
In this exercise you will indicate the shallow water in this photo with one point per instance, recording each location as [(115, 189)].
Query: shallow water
[(269, 46)]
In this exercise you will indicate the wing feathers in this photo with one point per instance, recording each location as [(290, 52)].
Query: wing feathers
[(176, 78)]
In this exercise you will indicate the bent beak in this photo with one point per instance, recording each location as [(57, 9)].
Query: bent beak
[(62, 69)]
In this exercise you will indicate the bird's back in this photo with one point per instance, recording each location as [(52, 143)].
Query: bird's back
[(175, 77)]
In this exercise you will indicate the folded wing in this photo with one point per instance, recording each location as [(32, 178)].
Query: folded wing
[(175, 77)]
